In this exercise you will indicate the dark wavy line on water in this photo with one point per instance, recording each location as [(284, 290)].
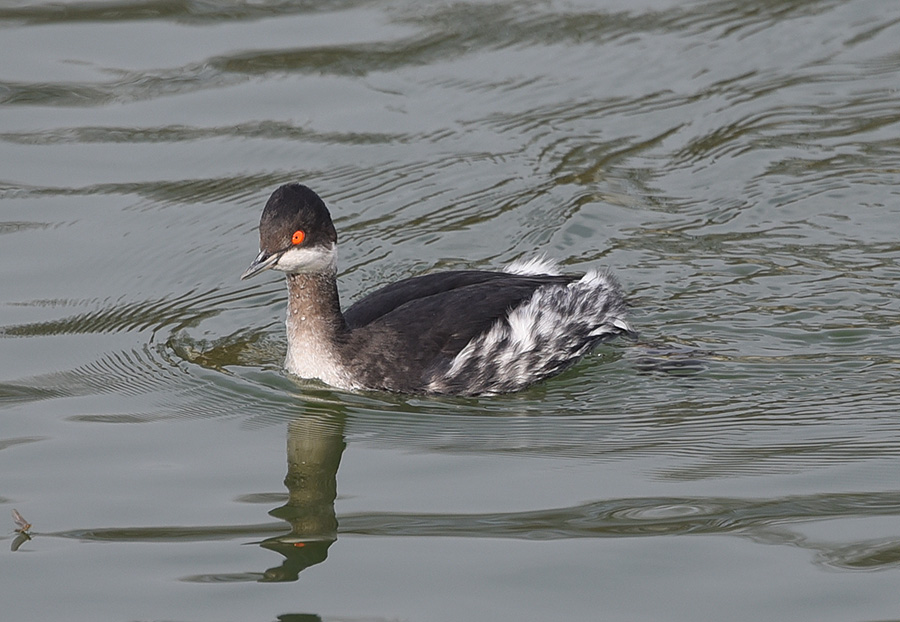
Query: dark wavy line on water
[(177, 313), (130, 86), (17, 227), (22, 440), (132, 373), (275, 130), (204, 190), (638, 516), (809, 125), (727, 14), (767, 521), (186, 11), (632, 517)]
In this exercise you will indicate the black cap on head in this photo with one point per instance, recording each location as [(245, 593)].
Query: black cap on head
[(291, 208)]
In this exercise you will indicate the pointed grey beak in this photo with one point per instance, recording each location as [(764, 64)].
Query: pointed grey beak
[(262, 262)]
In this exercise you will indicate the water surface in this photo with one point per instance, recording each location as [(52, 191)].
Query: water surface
[(735, 163)]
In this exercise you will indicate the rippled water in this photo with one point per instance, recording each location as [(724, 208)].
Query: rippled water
[(735, 163)]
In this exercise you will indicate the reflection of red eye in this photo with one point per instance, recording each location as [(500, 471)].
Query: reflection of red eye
[(298, 237)]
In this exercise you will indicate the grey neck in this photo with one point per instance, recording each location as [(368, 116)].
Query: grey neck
[(314, 317)]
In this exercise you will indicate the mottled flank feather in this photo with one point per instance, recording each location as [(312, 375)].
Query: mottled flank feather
[(557, 326)]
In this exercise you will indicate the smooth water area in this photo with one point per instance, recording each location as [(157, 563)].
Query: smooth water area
[(735, 163)]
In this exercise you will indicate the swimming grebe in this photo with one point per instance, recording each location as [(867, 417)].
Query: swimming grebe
[(464, 332)]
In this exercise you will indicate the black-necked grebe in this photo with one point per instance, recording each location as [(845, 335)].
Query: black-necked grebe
[(461, 333)]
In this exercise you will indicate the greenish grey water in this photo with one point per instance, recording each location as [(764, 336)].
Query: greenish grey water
[(735, 163)]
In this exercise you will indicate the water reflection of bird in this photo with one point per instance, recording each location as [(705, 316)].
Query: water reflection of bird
[(314, 449)]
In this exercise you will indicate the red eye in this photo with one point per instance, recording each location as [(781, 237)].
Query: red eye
[(298, 237)]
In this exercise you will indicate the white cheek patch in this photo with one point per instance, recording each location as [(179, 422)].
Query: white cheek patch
[(299, 259)]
